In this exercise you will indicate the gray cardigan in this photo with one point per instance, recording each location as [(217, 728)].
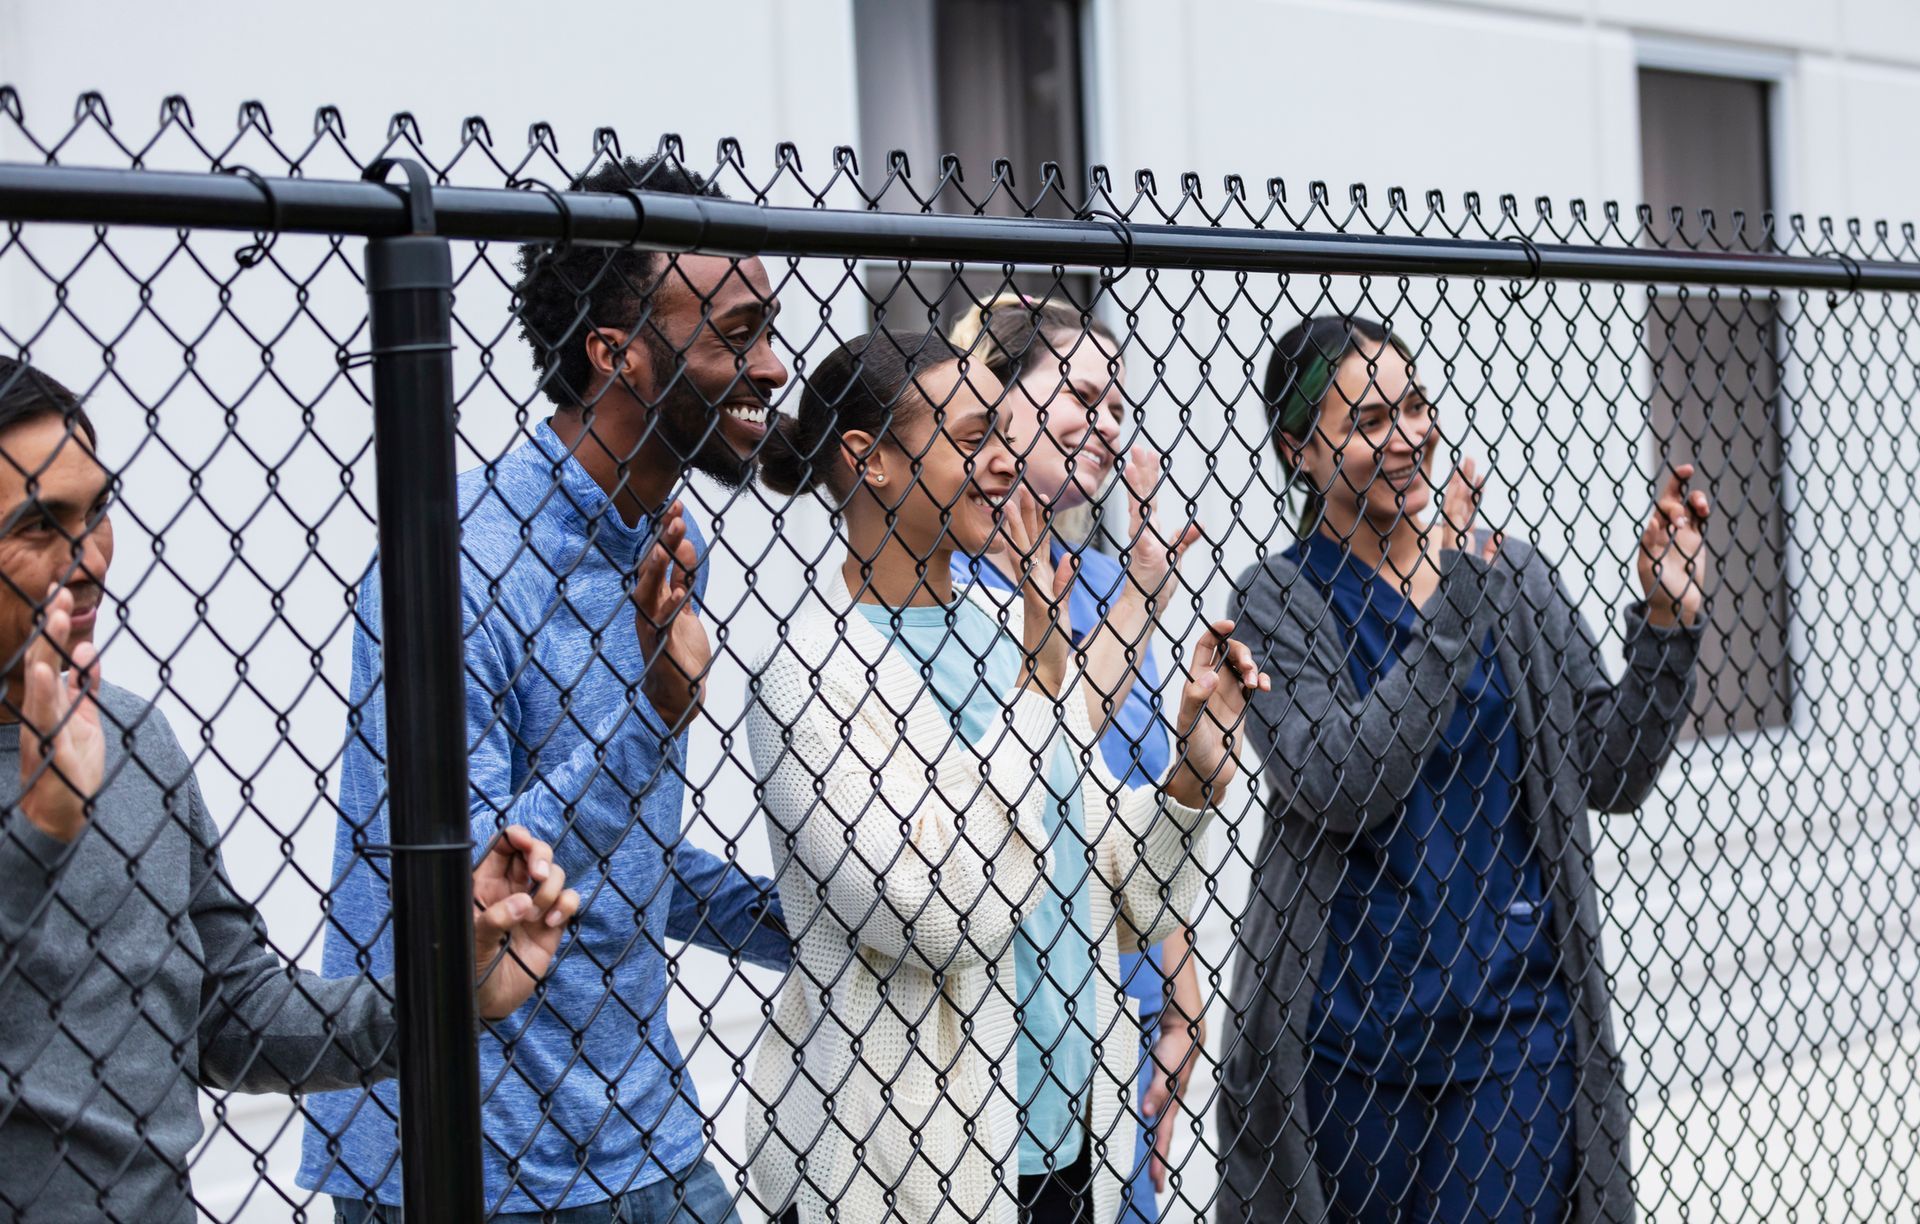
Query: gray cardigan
[(1336, 763)]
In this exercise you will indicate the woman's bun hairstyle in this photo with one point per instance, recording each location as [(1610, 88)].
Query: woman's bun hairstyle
[(1013, 332), (866, 384)]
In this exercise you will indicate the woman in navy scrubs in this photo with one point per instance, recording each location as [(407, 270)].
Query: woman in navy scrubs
[(1064, 375), (1422, 1028)]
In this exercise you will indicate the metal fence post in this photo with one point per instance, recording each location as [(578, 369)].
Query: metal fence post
[(410, 296)]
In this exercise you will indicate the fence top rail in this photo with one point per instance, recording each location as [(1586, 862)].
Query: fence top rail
[(692, 224)]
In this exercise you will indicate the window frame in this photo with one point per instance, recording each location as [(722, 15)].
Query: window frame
[(1776, 71), (927, 107)]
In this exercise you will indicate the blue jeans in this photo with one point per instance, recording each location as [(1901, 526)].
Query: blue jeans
[(1492, 1151), (697, 1197)]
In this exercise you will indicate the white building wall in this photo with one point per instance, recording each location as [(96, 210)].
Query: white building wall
[(1529, 98)]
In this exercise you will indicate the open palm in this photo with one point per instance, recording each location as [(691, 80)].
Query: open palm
[(1045, 585), (1673, 555), (673, 642), (1151, 557), (63, 753)]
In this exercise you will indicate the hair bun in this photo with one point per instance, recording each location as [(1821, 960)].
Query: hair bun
[(967, 328), (787, 461)]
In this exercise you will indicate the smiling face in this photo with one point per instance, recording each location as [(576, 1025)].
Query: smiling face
[(944, 472), (704, 361), (1371, 453), (1068, 422), (54, 529)]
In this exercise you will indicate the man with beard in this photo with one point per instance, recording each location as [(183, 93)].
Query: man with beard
[(586, 664)]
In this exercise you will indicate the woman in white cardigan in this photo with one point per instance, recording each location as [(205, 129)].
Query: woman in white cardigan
[(959, 878)]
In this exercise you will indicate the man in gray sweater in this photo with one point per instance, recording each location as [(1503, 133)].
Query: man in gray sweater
[(131, 971)]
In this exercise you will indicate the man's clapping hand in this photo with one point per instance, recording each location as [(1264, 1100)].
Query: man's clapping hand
[(521, 909)]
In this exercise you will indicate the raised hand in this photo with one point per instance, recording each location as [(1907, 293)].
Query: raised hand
[(1151, 557), (522, 906), (1459, 506), (1213, 701), (672, 640), (1673, 557), (63, 754), (1044, 590)]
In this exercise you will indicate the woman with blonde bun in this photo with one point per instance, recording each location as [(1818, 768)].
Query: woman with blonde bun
[(1063, 373)]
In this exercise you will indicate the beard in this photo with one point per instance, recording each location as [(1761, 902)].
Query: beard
[(690, 424)]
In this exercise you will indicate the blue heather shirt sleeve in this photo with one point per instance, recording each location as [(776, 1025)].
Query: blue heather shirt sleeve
[(607, 770), (717, 905), (713, 902)]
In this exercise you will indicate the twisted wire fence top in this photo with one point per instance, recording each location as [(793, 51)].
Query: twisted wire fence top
[(322, 149)]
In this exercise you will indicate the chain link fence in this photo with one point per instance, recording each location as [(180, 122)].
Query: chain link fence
[(836, 576)]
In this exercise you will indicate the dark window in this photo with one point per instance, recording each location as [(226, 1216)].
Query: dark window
[(1716, 390), (982, 80)]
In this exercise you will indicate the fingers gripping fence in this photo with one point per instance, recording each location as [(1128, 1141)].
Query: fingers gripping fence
[(1226, 707)]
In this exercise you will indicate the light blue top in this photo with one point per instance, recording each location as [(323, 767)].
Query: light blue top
[(1135, 743), (972, 667), (586, 1096)]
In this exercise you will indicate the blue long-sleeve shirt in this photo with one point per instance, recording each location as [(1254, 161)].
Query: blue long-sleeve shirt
[(585, 1092)]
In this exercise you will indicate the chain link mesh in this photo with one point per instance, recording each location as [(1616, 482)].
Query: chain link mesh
[(1520, 904)]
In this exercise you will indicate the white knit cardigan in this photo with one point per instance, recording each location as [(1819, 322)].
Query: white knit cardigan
[(906, 858)]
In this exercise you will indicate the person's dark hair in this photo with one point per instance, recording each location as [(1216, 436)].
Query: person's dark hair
[(26, 393), (1300, 374), (1014, 333), (565, 291), (868, 385)]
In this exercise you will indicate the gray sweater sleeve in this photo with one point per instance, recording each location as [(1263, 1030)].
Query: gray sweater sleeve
[(1626, 730), (31, 864), (1345, 760), (267, 1026)]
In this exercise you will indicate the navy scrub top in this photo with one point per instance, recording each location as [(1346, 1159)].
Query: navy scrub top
[(1439, 965)]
